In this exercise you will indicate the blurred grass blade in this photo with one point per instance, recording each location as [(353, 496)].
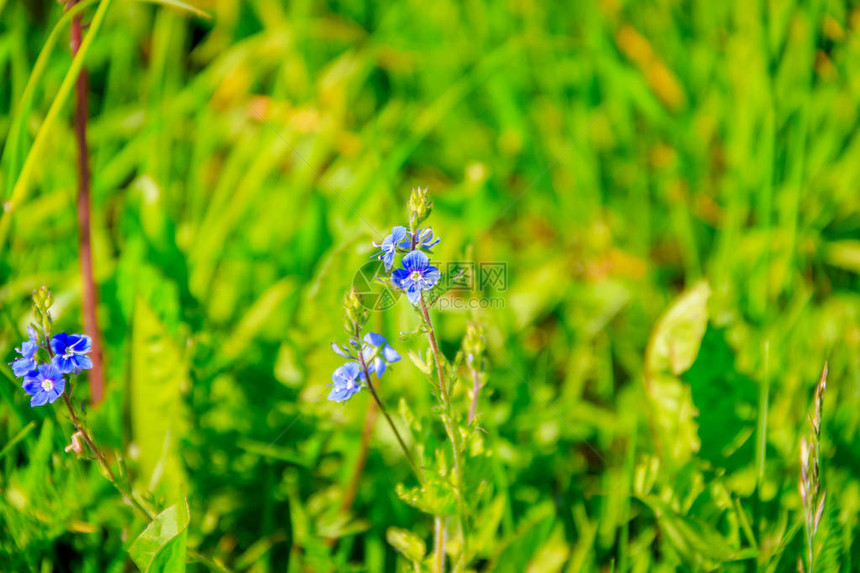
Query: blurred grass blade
[(181, 6), (23, 108), (18, 437), (20, 189)]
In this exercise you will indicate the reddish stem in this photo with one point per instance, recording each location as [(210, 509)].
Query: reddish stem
[(89, 290)]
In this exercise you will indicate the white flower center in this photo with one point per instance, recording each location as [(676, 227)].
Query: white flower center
[(415, 275), (47, 385), (349, 385)]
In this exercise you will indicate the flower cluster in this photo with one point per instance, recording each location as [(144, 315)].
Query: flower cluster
[(403, 241), (417, 273), (373, 356), (45, 381)]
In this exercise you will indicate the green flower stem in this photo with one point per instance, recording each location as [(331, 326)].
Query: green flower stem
[(384, 411), (448, 420), (126, 492)]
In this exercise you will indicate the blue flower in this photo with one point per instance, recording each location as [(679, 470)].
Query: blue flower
[(346, 381), (399, 237), (70, 352), (26, 364), (423, 239), (416, 275), (378, 353), (44, 385)]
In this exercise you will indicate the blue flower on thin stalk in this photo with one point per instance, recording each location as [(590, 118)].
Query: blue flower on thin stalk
[(346, 381), (399, 238), (70, 352), (27, 363), (378, 353), (423, 239), (45, 384), (416, 275)]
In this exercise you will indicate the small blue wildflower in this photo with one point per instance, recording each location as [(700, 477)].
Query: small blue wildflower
[(423, 239), (27, 363), (378, 353), (45, 384), (416, 275), (70, 352), (346, 381), (399, 237)]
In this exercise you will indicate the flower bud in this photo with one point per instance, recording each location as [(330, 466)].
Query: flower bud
[(420, 207)]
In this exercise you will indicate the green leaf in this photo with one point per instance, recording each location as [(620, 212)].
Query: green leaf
[(158, 375), (673, 348), (678, 335), (435, 498), (425, 367), (697, 542), (407, 543), (162, 545)]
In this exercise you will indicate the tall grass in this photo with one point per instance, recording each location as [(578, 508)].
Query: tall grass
[(671, 186)]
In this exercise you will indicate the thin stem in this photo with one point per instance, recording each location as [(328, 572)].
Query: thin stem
[(127, 495), (439, 544), (90, 292), (448, 419), (384, 411)]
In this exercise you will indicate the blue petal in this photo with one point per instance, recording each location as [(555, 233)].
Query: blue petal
[(397, 234), (336, 394), (82, 362), (39, 399), (379, 366), (59, 386), (59, 343), (81, 344), (32, 386), (23, 366), (374, 339), (431, 276), (415, 261), (345, 374), (63, 364), (413, 293), (389, 354), (50, 371), (29, 349), (388, 260), (399, 277)]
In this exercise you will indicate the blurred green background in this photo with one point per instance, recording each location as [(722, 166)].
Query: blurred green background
[(612, 154)]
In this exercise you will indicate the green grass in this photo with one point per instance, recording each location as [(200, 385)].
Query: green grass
[(614, 154)]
